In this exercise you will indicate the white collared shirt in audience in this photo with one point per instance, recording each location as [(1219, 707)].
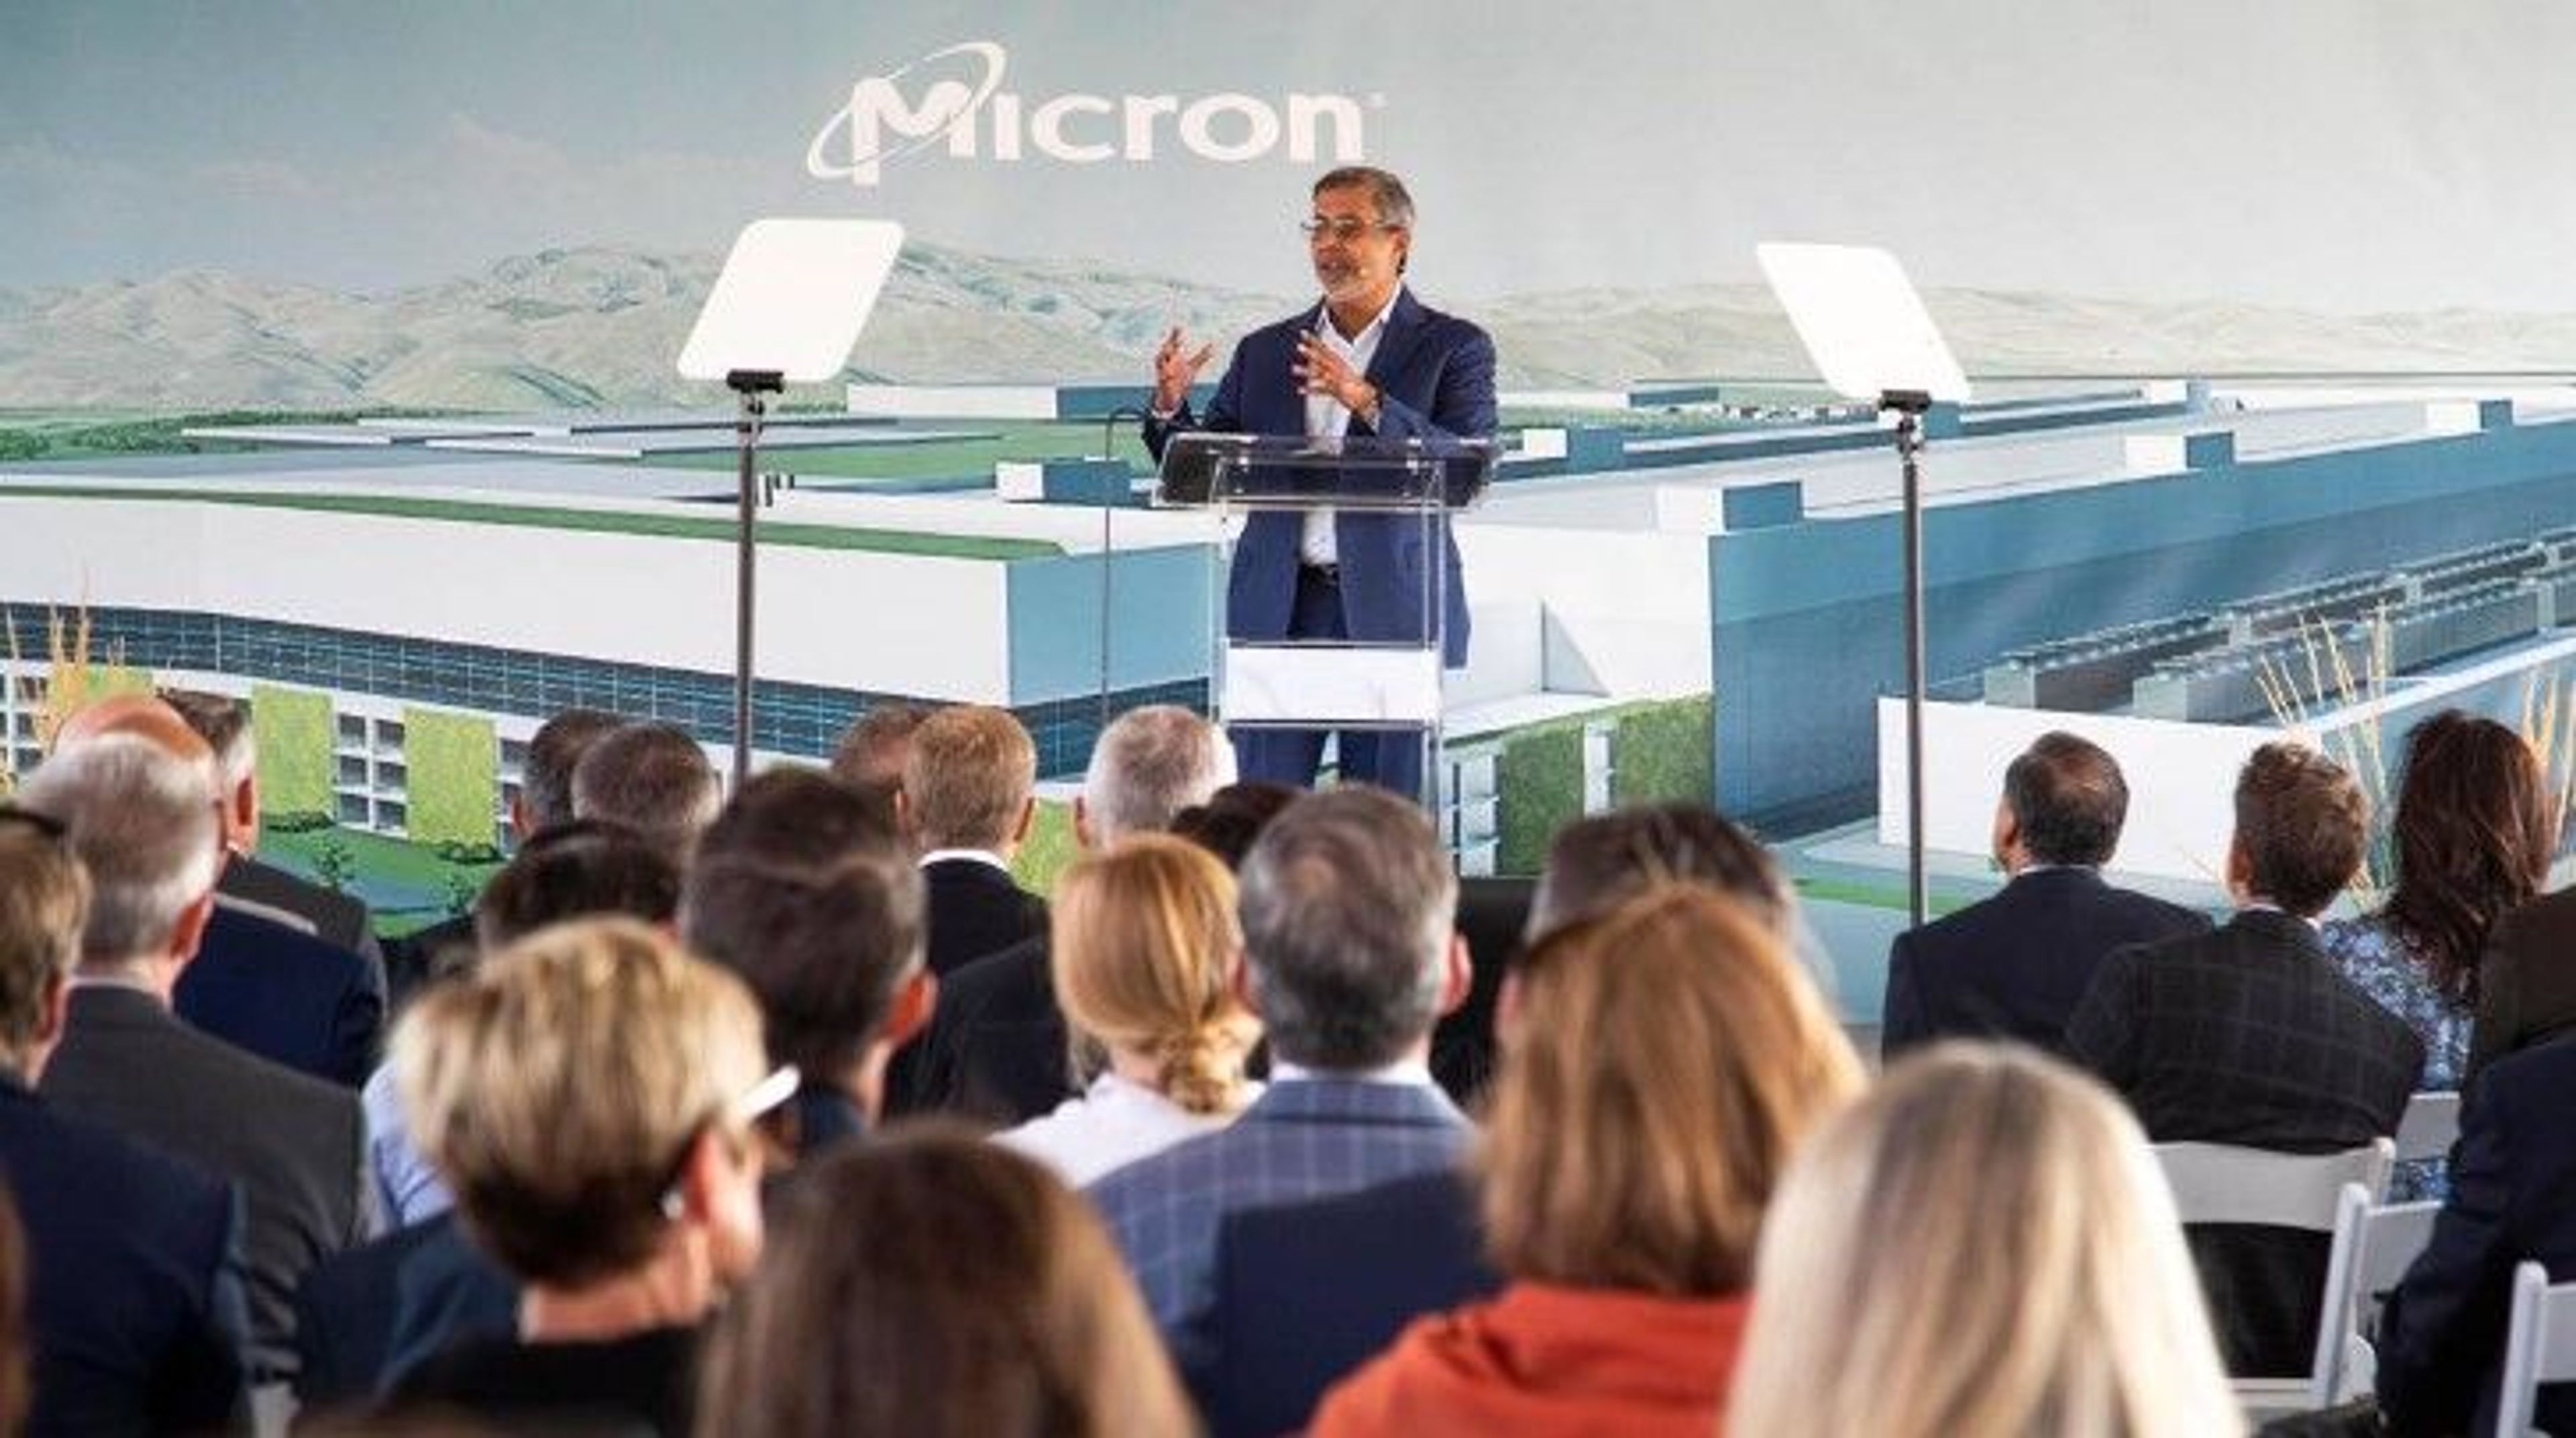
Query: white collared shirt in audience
[(1116, 1122)]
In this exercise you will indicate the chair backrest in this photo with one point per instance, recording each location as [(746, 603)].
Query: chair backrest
[(2428, 1128), (2373, 1247), (2539, 1347), (2222, 1183)]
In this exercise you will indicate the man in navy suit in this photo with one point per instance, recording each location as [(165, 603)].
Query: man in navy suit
[(2442, 1341), (2014, 965), (1369, 361), (1350, 959), (135, 1300)]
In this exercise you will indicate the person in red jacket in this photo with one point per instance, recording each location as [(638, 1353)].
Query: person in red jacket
[(1659, 1066)]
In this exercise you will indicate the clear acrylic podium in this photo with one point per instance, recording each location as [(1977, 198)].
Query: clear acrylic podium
[(1390, 685)]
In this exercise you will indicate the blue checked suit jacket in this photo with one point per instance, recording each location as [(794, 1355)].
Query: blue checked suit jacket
[(1304, 1138)]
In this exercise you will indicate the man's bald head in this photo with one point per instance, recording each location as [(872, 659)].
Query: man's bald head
[(142, 716)]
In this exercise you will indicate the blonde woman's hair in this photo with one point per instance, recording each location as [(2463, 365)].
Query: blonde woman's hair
[(1143, 944), (1984, 1246), (557, 1088), (1670, 1057)]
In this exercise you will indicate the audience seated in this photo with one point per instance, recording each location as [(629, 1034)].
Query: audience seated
[(2015, 964), (2248, 1036), (2475, 830), (141, 820), (2441, 1341), (828, 935), (1661, 1064), (1146, 957), (1982, 1245), (871, 753), (590, 1093), (133, 1312), (997, 1049), (334, 916), (937, 1287), (653, 779), (354, 1327), (542, 800), (1347, 903), (967, 802), (1377, 1259), (262, 985)]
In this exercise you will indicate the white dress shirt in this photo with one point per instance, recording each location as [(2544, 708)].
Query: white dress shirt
[(1329, 418), (1116, 1122)]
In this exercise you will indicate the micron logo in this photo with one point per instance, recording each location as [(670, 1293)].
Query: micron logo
[(957, 99)]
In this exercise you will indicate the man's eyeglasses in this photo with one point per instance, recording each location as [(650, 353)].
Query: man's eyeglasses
[(1319, 229)]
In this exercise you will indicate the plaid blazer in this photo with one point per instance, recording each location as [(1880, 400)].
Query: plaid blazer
[(2249, 1036), (1303, 1138)]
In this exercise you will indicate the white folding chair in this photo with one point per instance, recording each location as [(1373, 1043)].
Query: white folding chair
[(2374, 1245), (2222, 1183), (2428, 1128), (2539, 1347)]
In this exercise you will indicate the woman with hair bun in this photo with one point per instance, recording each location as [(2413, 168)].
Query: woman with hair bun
[(1144, 950)]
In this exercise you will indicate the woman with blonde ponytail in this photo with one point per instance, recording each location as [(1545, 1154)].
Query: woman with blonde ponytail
[(1145, 947)]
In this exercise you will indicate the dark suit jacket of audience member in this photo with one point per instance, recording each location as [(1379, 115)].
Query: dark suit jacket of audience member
[(2527, 980), (997, 1050), (286, 996), (2442, 1339), (296, 1145), (337, 918), (972, 909), (975, 909), (2248, 1036), (641, 1384), (2015, 964), (134, 1298), (346, 1310), (1307, 1292)]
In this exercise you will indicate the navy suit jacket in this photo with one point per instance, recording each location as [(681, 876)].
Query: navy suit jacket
[(1307, 1292), (135, 1297), (2014, 965), (2513, 1197), (1434, 375), (997, 1050), (286, 996)]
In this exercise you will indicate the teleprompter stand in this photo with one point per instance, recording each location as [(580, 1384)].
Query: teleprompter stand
[(1870, 337), (789, 305)]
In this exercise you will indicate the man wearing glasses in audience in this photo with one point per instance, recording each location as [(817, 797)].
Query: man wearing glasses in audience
[(1367, 362)]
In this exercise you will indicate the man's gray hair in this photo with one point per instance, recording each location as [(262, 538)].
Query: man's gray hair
[(143, 822), (1393, 202), (1150, 764), (1348, 907)]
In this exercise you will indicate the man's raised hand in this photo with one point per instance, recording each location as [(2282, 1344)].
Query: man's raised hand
[(1176, 368)]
